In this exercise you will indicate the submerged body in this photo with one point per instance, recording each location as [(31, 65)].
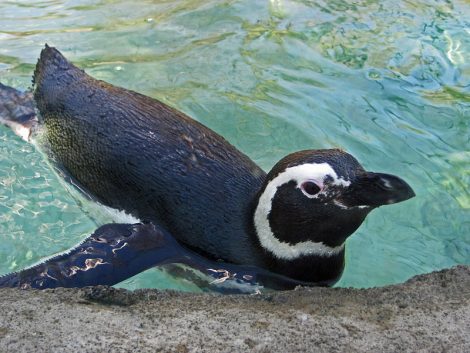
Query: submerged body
[(138, 155)]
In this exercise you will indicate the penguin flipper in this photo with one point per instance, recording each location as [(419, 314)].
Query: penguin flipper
[(113, 253)]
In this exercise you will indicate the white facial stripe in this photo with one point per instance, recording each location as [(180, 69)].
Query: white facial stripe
[(283, 250), (288, 251)]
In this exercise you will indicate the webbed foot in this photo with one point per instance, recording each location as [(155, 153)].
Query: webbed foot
[(17, 111)]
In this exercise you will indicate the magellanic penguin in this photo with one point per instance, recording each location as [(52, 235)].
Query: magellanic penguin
[(184, 181)]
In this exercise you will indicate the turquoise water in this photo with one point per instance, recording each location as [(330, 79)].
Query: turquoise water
[(388, 81)]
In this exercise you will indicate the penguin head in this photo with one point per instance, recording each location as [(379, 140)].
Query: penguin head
[(313, 200)]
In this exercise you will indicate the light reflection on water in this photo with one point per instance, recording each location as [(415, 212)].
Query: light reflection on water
[(387, 81)]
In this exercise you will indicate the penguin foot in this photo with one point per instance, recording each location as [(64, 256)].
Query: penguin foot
[(17, 111)]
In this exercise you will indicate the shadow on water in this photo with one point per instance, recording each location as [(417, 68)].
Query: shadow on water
[(386, 80)]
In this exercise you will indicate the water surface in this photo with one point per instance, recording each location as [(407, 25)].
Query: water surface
[(388, 81)]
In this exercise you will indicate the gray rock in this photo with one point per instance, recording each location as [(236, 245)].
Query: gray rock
[(429, 313)]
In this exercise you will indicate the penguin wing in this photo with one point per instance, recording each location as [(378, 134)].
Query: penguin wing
[(115, 252), (111, 254)]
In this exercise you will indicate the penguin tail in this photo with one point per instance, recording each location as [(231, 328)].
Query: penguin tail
[(50, 62), (53, 76)]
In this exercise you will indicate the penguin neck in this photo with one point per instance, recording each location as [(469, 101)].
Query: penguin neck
[(305, 260), (317, 270)]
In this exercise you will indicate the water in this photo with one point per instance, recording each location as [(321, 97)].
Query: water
[(388, 81)]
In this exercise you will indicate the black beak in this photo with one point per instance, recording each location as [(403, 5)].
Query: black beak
[(377, 189)]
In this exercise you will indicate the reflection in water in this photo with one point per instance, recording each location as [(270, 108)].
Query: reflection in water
[(386, 80)]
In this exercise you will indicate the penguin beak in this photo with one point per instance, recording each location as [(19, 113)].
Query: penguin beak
[(377, 189)]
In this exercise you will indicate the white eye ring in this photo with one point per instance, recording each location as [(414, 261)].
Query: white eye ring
[(311, 188)]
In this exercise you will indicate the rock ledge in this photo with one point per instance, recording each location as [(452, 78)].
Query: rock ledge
[(428, 313)]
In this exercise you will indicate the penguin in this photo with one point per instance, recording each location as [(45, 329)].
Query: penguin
[(212, 205)]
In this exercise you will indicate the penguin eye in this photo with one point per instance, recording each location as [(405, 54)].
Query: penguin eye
[(310, 188)]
